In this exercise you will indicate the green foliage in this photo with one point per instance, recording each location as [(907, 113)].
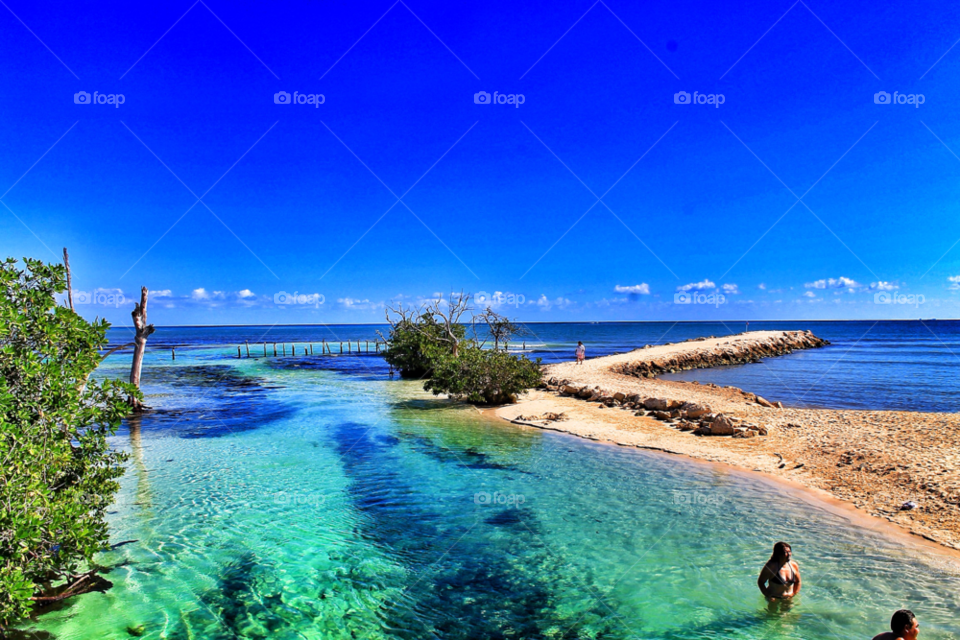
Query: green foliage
[(58, 475), (483, 376), (416, 343)]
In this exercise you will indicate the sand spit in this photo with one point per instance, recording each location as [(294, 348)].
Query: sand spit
[(900, 466)]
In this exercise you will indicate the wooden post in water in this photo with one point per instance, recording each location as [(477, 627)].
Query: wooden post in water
[(274, 348), (283, 345), (238, 351), (311, 348), (248, 347), (323, 346), (341, 348), (173, 353), (264, 349)]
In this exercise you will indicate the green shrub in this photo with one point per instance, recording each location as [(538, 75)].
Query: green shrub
[(58, 475), (416, 343), (484, 376)]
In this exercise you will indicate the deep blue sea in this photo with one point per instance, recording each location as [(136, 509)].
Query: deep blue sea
[(313, 497)]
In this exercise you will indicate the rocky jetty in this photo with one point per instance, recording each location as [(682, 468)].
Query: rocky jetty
[(680, 411), (740, 349)]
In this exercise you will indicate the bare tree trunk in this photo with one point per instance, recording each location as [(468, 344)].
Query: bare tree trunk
[(66, 263), (140, 344)]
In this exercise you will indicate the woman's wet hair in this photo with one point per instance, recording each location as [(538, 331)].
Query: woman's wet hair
[(902, 620), (779, 551)]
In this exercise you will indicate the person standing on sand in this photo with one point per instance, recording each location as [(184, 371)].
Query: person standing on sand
[(904, 626), (780, 577), (581, 352)]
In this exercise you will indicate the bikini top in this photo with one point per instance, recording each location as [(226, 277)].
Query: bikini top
[(776, 579)]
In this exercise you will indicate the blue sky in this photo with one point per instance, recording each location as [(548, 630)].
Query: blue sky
[(603, 196)]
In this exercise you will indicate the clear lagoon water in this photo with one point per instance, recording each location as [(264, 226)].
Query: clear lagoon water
[(309, 497)]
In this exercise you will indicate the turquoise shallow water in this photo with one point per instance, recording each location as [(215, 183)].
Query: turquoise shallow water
[(303, 499)]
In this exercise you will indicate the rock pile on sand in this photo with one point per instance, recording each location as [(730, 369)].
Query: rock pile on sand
[(685, 416)]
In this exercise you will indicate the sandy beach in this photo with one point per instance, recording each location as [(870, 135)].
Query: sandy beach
[(876, 461)]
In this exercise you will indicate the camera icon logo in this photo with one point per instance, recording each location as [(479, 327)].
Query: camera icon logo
[(681, 97), (283, 298), (281, 97), (482, 297), (81, 297), (481, 498), (81, 97), (882, 297), (682, 297), (881, 97), (481, 97)]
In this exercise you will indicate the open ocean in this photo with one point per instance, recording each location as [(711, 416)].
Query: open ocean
[(317, 497)]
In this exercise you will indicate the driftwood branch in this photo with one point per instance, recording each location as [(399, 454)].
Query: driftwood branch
[(122, 346), (144, 330), (66, 263)]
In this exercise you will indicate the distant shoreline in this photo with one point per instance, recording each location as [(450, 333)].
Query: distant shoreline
[(592, 322)]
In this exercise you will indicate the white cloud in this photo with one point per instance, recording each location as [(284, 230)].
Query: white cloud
[(246, 293), (200, 294), (358, 304), (956, 283), (810, 294), (642, 288), (834, 283), (162, 293), (699, 286), (731, 289), (545, 304), (762, 287)]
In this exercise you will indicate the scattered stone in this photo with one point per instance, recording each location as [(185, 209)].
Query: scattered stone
[(693, 410), (721, 426)]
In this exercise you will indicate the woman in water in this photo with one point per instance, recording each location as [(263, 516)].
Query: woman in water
[(780, 577)]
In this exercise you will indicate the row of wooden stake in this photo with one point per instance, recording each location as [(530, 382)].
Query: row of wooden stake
[(325, 348)]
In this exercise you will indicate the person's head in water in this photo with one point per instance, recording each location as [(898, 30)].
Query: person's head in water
[(781, 553), (904, 624)]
